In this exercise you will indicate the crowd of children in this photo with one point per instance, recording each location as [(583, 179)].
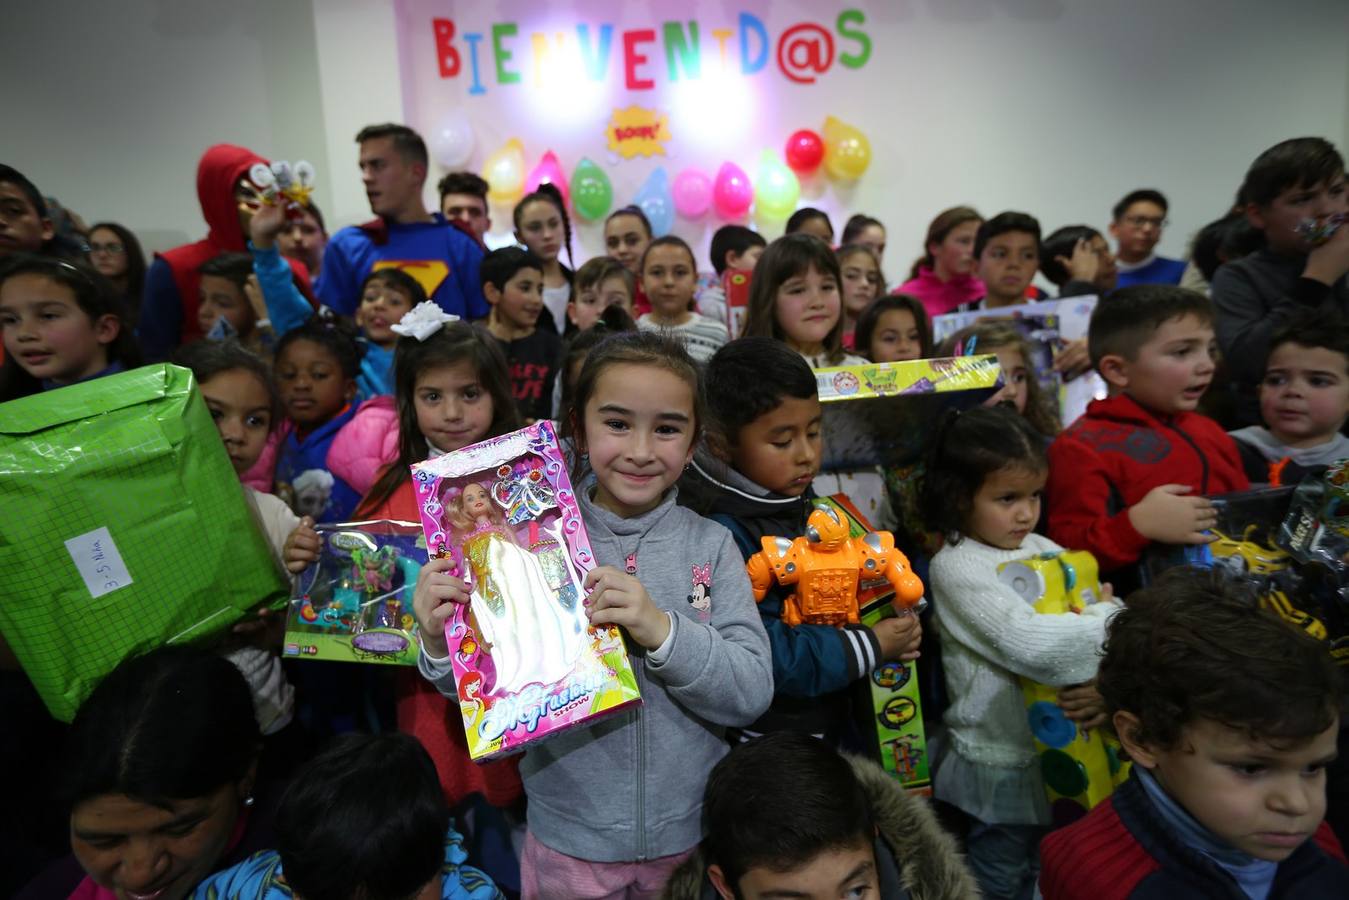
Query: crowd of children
[(691, 412)]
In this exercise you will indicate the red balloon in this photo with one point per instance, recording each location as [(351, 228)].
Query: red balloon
[(805, 151)]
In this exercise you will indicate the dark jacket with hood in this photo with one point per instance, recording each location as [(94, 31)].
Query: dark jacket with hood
[(813, 665), (168, 315), (915, 858)]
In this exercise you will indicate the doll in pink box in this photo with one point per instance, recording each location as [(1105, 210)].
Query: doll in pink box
[(532, 638)]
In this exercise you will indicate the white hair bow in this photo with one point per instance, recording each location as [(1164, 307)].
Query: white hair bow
[(423, 320)]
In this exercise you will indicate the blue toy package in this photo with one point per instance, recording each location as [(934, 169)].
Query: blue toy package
[(355, 603)]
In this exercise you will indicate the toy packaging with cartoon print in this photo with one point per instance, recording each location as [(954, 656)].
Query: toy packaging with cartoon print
[(876, 413), (1286, 546), (1047, 326), (355, 603), (887, 706), (525, 660), (1081, 767)]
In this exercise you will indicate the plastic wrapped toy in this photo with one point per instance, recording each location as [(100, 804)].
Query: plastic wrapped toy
[(1080, 768), (355, 603), (826, 567), (525, 660), (280, 183), (887, 707), (1318, 231)]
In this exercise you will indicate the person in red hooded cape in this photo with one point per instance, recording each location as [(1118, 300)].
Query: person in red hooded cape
[(168, 316)]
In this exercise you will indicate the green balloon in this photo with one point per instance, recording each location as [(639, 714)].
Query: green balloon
[(591, 192)]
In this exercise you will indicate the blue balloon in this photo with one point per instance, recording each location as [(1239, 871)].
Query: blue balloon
[(657, 202)]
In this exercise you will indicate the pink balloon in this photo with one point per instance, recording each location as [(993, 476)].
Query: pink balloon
[(692, 193), (548, 170), (733, 193)]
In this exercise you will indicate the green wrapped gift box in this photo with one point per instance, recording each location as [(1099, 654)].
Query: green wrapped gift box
[(122, 527)]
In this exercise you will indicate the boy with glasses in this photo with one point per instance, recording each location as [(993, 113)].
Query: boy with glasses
[(1136, 226)]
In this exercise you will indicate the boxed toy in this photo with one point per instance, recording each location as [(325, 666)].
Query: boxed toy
[(880, 413), (889, 709), (1047, 326), (1080, 768), (524, 657), (355, 603), (124, 528)]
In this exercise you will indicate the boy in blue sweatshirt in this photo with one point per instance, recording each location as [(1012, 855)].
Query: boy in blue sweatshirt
[(754, 476)]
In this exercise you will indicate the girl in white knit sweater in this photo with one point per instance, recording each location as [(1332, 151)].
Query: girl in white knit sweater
[(982, 491)]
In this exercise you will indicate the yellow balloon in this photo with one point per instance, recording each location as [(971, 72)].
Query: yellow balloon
[(847, 152), (505, 173)]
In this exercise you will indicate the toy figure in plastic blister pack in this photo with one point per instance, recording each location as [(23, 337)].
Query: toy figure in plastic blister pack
[(373, 569), (1317, 231), (531, 637), (826, 566), (522, 492), (355, 603)]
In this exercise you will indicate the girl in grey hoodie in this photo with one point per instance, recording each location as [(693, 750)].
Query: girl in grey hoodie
[(616, 807)]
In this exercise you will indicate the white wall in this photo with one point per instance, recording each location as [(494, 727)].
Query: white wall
[(1053, 106), (110, 105)]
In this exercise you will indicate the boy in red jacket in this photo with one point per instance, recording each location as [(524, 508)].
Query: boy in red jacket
[(1230, 717), (1140, 465)]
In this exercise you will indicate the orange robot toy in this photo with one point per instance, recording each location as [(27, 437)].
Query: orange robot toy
[(827, 566)]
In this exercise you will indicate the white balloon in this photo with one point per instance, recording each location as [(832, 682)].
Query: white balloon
[(452, 140)]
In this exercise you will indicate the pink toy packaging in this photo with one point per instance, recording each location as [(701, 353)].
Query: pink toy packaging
[(525, 659)]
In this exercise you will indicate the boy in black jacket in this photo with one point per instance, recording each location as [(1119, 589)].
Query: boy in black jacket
[(1292, 183), (763, 451)]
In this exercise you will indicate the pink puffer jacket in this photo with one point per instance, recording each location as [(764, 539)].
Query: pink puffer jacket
[(367, 444)]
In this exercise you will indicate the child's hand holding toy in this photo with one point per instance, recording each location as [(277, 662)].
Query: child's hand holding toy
[(899, 637), (616, 598), (433, 602), (302, 547), (268, 222), (1083, 704), (1329, 259)]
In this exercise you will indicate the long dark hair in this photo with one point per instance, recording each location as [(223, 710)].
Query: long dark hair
[(634, 211), (871, 317), (548, 193), (991, 335), (174, 724), (94, 294), (454, 343), (612, 320), (382, 831), (965, 449), (636, 348), (856, 224), (947, 221), (135, 266), (206, 359), (787, 257)]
